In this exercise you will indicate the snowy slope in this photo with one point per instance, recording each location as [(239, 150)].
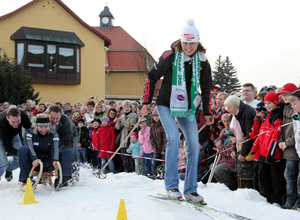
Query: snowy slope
[(94, 198)]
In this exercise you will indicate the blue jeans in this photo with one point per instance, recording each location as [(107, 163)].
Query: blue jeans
[(148, 165), (11, 164), (190, 131), (292, 176), (65, 159), (82, 155), (111, 165)]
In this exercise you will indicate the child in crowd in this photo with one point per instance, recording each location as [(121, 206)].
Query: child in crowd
[(287, 145), (83, 141), (225, 169), (144, 139), (76, 112), (135, 149), (96, 141), (271, 166), (261, 114), (107, 143), (295, 101), (157, 139)]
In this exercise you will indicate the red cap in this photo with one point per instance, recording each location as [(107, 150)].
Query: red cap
[(217, 86), (134, 134), (289, 87), (272, 97)]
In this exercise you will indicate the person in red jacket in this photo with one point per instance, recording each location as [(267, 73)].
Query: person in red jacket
[(271, 166), (95, 140), (107, 143), (261, 114)]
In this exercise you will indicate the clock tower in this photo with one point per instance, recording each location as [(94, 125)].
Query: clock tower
[(106, 19)]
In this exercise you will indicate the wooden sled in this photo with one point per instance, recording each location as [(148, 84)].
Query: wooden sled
[(45, 176)]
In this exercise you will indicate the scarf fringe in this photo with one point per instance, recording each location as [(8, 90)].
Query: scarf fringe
[(188, 115), (178, 114)]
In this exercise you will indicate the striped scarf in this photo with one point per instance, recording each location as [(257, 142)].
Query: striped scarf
[(179, 97)]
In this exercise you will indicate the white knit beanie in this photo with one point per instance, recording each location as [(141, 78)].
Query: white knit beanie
[(190, 33)]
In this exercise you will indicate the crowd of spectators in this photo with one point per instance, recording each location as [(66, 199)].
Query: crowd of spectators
[(252, 135)]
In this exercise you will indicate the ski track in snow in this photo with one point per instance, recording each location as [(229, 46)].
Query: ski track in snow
[(92, 198)]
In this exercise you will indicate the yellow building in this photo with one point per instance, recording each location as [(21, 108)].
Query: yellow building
[(127, 63), (65, 56)]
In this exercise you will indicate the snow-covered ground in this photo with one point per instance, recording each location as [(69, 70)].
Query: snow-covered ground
[(93, 198)]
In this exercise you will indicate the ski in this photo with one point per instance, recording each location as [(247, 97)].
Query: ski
[(205, 209), (230, 214), (198, 207)]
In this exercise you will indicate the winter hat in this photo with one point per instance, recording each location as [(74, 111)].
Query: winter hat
[(104, 118), (97, 120), (80, 120), (143, 119), (190, 33), (271, 87), (296, 93), (42, 122), (289, 87), (260, 107), (217, 86), (154, 111), (272, 97), (134, 134)]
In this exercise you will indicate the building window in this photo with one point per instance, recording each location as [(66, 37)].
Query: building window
[(35, 56), (49, 55), (66, 58), (50, 62), (20, 52), (51, 58)]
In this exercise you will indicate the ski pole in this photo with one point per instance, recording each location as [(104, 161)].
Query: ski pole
[(123, 142), (213, 168)]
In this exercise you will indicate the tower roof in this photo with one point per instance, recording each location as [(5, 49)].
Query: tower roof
[(106, 13)]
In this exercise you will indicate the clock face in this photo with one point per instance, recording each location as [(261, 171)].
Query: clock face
[(105, 20)]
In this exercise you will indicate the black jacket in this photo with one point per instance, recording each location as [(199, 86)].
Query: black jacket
[(65, 132), (41, 146), (164, 69), (245, 117), (83, 136), (7, 132)]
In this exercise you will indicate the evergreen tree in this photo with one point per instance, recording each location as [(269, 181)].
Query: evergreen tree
[(15, 83), (225, 75)]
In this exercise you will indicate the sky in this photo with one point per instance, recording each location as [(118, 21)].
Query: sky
[(261, 37)]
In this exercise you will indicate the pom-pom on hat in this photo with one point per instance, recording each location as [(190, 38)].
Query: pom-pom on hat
[(272, 97), (104, 118), (190, 33), (260, 107)]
